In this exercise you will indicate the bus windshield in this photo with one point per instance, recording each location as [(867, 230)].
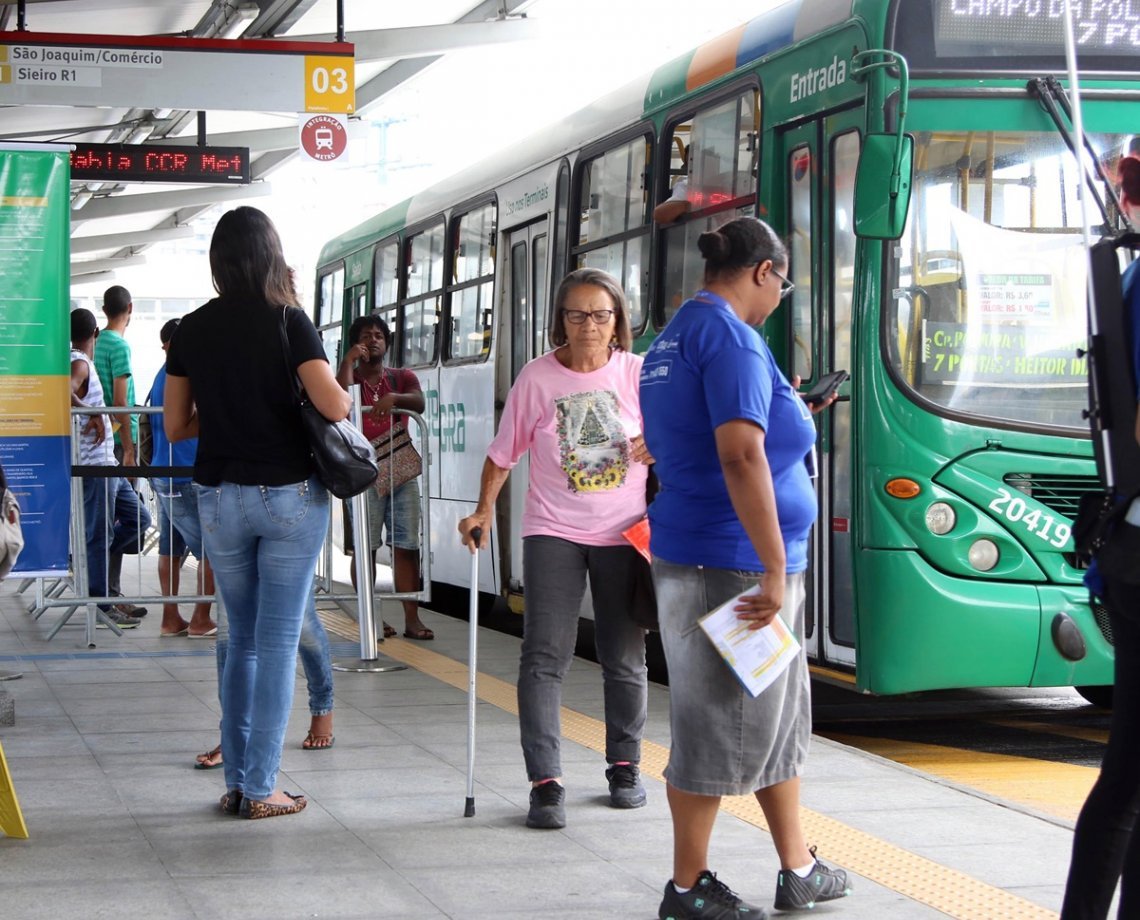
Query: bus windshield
[(988, 305)]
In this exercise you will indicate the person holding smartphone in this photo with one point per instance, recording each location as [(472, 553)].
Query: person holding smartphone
[(730, 436)]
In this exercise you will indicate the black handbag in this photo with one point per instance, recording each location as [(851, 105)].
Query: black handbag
[(643, 603), (344, 459)]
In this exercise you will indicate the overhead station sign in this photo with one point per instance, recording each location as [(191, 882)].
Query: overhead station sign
[(166, 163), (176, 73)]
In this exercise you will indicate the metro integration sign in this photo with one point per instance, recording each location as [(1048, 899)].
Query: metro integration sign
[(177, 73)]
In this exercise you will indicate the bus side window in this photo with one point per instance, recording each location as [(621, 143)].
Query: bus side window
[(471, 286), (386, 289), (800, 309), (330, 310), (420, 310), (613, 229), (714, 152)]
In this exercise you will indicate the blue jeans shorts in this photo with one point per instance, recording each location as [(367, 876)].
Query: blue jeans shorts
[(179, 527), (397, 515)]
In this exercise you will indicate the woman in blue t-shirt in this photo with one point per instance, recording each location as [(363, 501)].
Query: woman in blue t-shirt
[(731, 438)]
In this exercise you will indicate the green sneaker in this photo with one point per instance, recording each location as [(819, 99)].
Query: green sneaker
[(824, 884), (708, 899)]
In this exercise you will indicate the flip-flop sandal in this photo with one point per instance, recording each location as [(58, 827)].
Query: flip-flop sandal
[(174, 635), (317, 742), (209, 756), (208, 634), (423, 634), (389, 631)]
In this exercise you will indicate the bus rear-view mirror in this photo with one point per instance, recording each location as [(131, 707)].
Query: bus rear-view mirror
[(882, 186)]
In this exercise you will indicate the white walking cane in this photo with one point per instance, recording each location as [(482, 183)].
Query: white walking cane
[(472, 642)]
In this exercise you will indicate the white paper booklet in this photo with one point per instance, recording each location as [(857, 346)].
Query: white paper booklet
[(756, 656)]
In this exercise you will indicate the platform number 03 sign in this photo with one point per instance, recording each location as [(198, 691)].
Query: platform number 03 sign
[(330, 84)]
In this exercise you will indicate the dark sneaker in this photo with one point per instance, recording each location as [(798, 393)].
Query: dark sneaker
[(119, 619), (547, 806), (626, 790), (708, 899), (824, 884), (131, 610)]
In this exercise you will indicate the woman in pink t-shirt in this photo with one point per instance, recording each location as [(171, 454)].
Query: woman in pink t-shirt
[(576, 410)]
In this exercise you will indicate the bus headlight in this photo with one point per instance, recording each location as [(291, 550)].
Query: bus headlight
[(940, 518), (983, 555)]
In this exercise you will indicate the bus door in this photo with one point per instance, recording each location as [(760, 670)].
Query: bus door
[(819, 169), (523, 336)]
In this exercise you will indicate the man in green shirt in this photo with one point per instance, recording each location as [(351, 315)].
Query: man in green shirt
[(113, 365)]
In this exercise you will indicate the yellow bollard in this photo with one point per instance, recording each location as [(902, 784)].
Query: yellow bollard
[(11, 821)]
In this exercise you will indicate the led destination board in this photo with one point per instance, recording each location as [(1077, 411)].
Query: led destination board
[(968, 28), (155, 163)]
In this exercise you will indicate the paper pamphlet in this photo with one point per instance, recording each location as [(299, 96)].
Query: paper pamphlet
[(756, 656)]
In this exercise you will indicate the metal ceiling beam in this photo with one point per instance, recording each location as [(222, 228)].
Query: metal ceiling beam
[(257, 141), (123, 205), (421, 41), (268, 162), (370, 92), (279, 16), (115, 241), (94, 278), (91, 266)]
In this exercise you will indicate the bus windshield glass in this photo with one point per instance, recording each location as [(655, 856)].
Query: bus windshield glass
[(988, 303)]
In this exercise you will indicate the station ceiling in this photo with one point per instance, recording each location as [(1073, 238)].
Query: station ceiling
[(113, 224)]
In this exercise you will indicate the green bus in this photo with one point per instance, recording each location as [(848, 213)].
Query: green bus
[(951, 467)]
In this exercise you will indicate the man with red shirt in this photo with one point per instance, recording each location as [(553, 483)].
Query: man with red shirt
[(397, 514)]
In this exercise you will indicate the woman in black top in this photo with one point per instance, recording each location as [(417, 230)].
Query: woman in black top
[(264, 513)]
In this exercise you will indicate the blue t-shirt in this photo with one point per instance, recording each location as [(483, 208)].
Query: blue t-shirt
[(184, 452), (706, 368)]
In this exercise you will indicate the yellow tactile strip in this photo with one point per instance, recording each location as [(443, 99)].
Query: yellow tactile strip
[(1057, 789), (954, 893)]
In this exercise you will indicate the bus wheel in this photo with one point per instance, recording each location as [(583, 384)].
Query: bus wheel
[(1098, 695)]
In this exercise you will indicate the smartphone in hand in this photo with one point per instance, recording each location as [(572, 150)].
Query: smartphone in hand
[(823, 389)]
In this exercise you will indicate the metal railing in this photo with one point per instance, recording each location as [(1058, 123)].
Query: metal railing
[(72, 592)]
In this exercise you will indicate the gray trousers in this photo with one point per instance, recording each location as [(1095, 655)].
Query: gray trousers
[(554, 576)]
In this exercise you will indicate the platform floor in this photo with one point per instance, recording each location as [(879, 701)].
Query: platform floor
[(121, 826)]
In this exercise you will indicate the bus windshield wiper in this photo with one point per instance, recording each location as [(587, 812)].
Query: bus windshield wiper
[(1055, 100)]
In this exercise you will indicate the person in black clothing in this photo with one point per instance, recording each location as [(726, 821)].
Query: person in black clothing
[(264, 513), (1106, 845)]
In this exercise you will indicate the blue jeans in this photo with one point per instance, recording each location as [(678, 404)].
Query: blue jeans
[(115, 521), (316, 660), (263, 543)]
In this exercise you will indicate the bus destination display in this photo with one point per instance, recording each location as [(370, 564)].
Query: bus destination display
[(160, 163), (983, 28)]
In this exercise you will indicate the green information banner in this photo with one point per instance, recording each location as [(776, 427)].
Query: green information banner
[(35, 435)]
